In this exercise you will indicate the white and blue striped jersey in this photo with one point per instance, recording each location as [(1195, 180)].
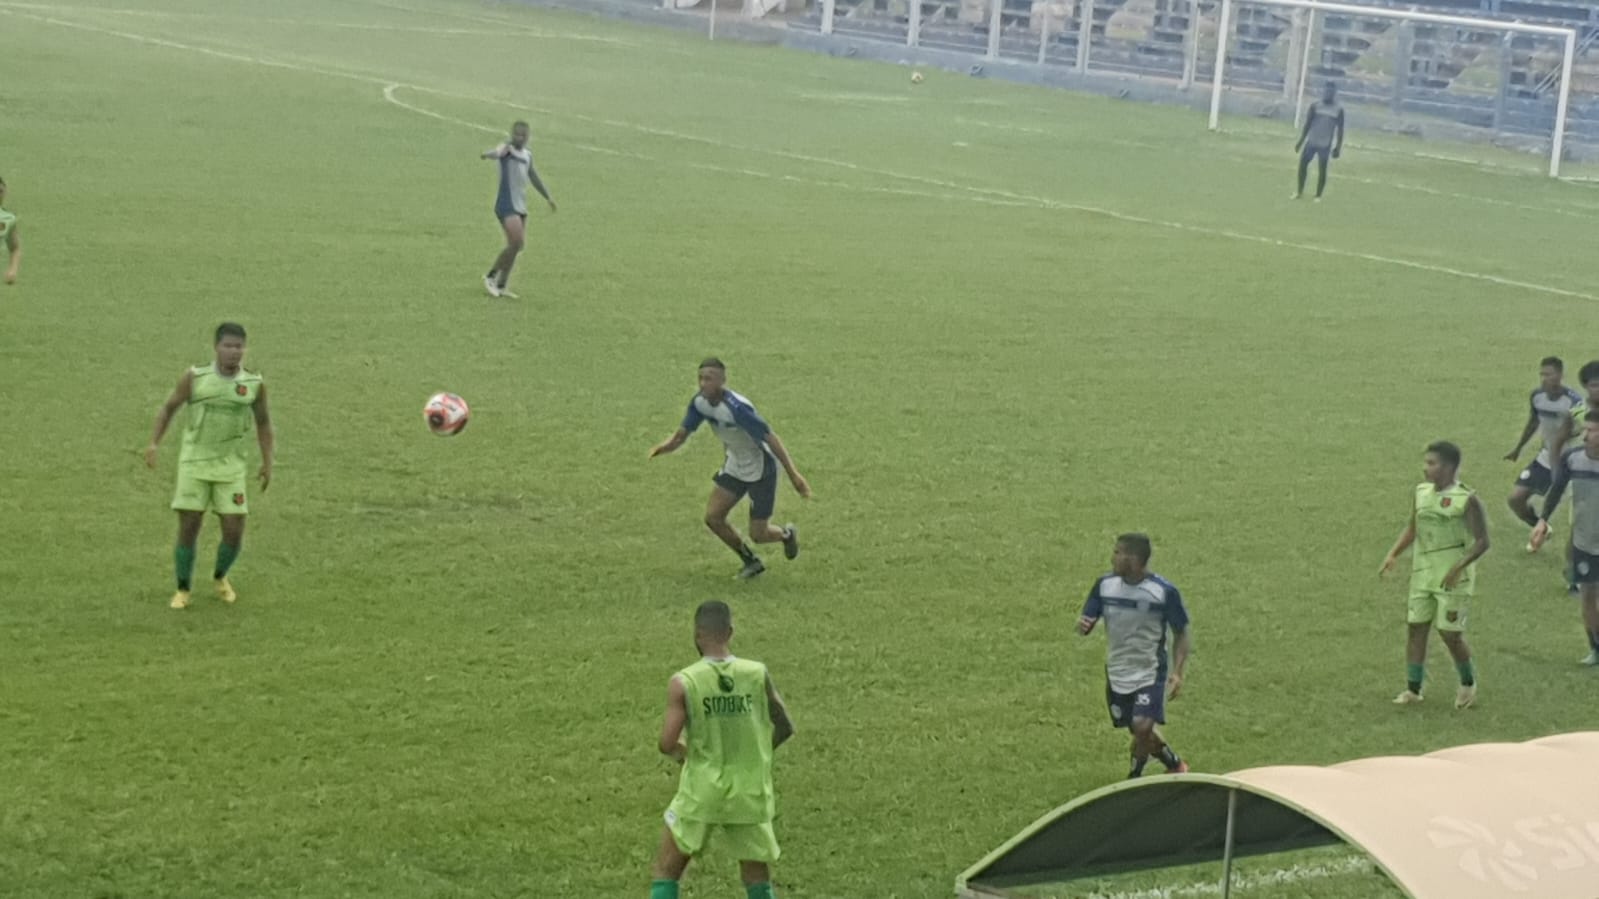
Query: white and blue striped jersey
[(1552, 412), (514, 180), (1136, 619), (741, 428)]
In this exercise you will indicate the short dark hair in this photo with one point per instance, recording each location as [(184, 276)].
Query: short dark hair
[(1138, 545), (1446, 451), (1552, 362), (520, 124), (713, 618), (713, 362), (229, 329), (1588, 373)]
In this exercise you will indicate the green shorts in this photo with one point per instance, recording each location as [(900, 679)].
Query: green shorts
[(1444, 609), (197, 494), (745, 842)]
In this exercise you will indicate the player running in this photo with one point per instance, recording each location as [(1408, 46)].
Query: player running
[(1323, 135), (1579, 469), (510, 205), (223, 399), (723, 720), (8, 236), (1450, 533), (753, 453), (1550, 411), (1139, 606)]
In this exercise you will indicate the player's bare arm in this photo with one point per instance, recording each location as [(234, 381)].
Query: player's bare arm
[(14, 246), (538, 185), (164, 415), (496, 153), (1305, 132), (1568, 430), (1477, 523), (1085, 625), (1338, 138), (670, 444), (671, 742), (1526, 435), (1407, 537), (775, 443), (1557, 489), (782, 724), (1180, 650), (264, 436)]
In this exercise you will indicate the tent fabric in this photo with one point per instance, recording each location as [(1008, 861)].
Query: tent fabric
[(1473, 822)]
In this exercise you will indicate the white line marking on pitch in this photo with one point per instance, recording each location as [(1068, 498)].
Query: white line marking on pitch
[(990, 193)]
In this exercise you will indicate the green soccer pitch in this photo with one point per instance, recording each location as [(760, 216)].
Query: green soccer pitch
[(995, 326)]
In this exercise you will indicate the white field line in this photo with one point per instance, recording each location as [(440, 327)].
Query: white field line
[(956, 187), (1274, 880)]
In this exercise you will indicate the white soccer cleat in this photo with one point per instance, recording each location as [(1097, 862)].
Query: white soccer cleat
[(1465, 697), (1407, 698), (506, 292), (1591, 659), (491, 287)]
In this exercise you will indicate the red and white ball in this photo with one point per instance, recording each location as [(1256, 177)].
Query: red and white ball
[(446, 414)]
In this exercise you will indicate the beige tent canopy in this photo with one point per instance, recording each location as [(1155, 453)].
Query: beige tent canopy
[(1474, 822)]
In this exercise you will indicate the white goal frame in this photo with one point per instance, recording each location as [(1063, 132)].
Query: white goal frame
[(1224, 37)]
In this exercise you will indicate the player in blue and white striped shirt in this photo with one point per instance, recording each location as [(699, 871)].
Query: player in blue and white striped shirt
[(1139, 606), (753, 453), (510, 205)]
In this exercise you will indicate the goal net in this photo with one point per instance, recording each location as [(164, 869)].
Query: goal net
[(1397, 70)]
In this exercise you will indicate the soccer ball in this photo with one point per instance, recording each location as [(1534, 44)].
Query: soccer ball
[(446, 414), (916, 78)]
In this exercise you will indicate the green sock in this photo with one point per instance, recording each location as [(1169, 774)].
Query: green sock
[(1414, 674), (226, 554), (183, 563), (1468, 673), (663, 889), (760, 891)]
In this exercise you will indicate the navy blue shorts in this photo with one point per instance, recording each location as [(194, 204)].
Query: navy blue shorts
[(503, 211), (762, 493), (1584, 567), (1145, 702), (1536, 478)]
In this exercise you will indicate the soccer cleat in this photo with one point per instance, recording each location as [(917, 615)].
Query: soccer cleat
[(507, 294), (180, 600), (1591, 660), (1317, 200), (490, 286), (1407, 698), (225, 591), (1466, 696), (1535, 542), (1294, 196), (751, 569), (790, 541), (1182, 768)]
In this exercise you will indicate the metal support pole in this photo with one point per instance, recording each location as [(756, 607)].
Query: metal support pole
[(1191, 46), (1043, 36), (1085, 33), (1559, 145), (1404, 51), (1502, 98), (713, 20), (913, 35), (827, 15), (1296, 40), (1304, 69), (994, 23), (1223, 28), (1227, 846)]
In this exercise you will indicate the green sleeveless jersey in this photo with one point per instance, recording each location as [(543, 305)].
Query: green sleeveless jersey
[(220, 417), (7, 222), (1442, 537), (727, 773)]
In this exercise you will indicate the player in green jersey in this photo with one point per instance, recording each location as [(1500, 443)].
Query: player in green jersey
[(224, 400), (8, 236), (724, 718), (1450, 533)]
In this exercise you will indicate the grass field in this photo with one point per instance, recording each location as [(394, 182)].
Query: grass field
[(995, 325)]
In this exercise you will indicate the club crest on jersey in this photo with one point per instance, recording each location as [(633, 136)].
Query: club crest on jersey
[(238, 499), (241, 390), (1446, 502), (725, 682)]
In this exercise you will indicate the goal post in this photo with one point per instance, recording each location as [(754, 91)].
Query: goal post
[(1484, 75)]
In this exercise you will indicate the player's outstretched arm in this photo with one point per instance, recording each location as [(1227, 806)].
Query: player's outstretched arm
[(1477, 524), (801, 486), (163, 416), (671, 742), (1407, 537), (782, 724), (1530, 429), (496, 153), (670, 444), (263, 430), (14, 244)]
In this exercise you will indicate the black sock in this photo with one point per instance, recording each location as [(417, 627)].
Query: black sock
[(1138, 766), (747, 554), (493, 274), (1415, 686), (1169, 758), (1593, 640), (1530, 517)]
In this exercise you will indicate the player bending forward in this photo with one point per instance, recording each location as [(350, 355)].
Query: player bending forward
[(1138, 607), (724, 718), (1450, 533), (1579, 469), (753, 453)]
